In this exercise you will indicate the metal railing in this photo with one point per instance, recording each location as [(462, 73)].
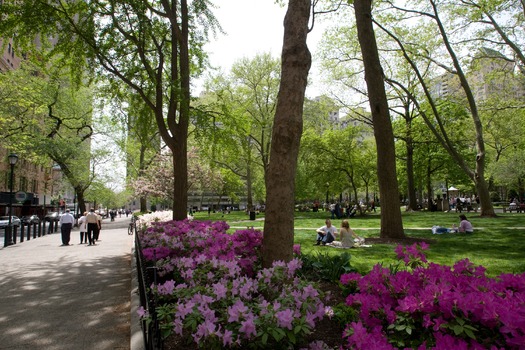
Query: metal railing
[(147, 276), (31, 231)]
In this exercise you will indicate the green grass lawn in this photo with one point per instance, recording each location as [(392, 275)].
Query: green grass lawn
[(498, 244)]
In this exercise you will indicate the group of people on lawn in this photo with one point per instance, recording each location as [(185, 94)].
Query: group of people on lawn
[(347, 237), (327, 234)]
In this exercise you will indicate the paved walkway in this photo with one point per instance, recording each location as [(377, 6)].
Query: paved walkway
[(77, 297)]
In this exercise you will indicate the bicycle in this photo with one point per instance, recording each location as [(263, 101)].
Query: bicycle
[(132, 228)]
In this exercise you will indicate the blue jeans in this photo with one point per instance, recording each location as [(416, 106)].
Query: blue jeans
[(328, 238)]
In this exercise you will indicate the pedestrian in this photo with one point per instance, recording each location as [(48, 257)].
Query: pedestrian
[(96, 233), (326, 234), (92, 225), (82, 224), (66, 223)]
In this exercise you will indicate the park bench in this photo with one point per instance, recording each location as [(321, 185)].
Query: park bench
[(518, 208)]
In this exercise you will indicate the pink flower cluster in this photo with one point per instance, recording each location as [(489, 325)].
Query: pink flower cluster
[(436, 307), (164, 241), (217, 297)]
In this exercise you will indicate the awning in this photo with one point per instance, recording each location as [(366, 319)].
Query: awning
[(452, 188)]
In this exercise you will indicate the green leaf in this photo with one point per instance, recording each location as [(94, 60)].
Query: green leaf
[(469, 333), (264, 338)]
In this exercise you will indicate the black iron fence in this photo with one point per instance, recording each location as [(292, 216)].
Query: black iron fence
[(147, 276), (33, 230)]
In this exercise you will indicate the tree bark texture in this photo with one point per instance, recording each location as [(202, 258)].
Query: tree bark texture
[(391, 222), (286, 135)]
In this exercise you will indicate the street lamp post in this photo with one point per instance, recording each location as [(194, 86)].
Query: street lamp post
[(8, 238)]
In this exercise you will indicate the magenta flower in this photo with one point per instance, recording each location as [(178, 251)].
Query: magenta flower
[(236, 311), (166, 288), (347, 278), (220, 291), (142, 312), (285, 318), (248, 327), (227, 338)]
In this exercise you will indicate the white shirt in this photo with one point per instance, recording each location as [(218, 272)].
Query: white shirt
[(82, 223), (67, 218)]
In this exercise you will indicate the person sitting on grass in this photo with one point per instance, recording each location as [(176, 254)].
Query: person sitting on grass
[(347, 237), (464, 225), (326, 234)]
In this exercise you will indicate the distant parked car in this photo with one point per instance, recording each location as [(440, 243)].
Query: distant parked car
[(4, 221), (30, 219), (52, 216)]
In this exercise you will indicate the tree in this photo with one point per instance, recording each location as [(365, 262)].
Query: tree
[(286, 135), (244, 106), (391, 222), (129, 40), (420, 50), (341, 157), (132, 127), (51, 120)]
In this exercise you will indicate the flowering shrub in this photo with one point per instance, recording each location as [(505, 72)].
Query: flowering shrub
[(164, 241), (435, 306), (214, 294), (217, 307)]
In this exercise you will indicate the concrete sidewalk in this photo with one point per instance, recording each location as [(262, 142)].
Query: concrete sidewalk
[(57, 297)]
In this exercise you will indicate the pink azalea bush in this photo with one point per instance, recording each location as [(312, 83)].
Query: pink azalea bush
[(431, 306), (214, 293), (162, 242)]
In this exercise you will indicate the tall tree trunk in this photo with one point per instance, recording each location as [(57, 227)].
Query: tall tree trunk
[(429, 184), (143, 201), (391, 222), (180, 175), (286, 136), (80, 199), (249, 188), (411, 186)]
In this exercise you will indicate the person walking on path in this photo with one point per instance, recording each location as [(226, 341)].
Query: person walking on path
[(96, 233), (92, 225), (82, 224), (66, 223)]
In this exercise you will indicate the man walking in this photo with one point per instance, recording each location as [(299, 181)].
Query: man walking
[(92, 225), (66, 223)]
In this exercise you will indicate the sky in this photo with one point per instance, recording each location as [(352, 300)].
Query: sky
[(252, 27)]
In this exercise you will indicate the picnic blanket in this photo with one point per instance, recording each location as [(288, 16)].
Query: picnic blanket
[(358, 243)]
